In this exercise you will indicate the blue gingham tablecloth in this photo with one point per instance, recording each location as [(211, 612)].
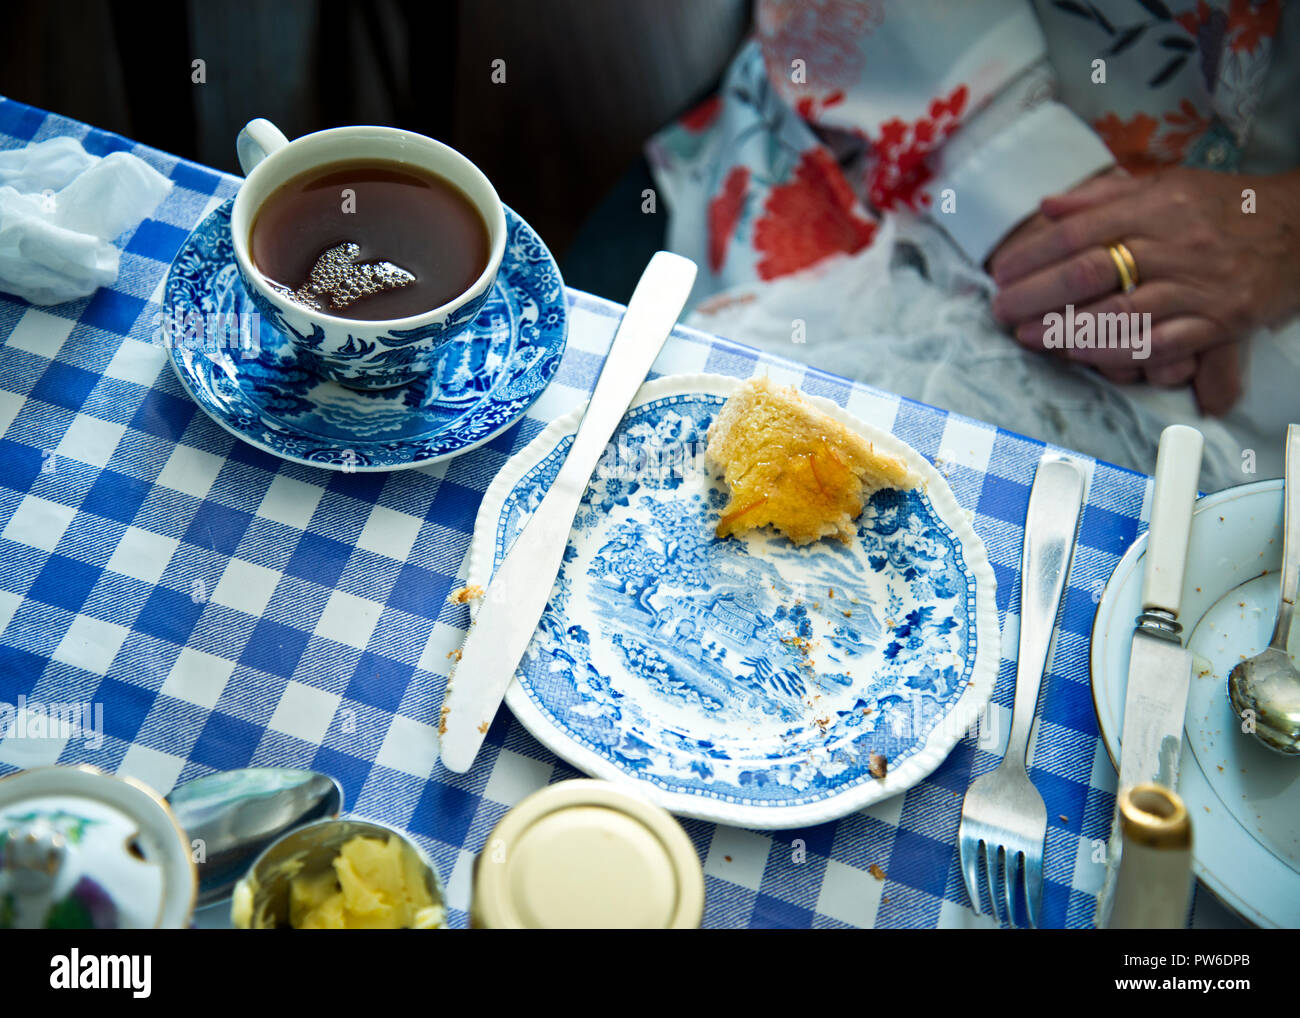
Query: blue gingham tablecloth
[(224, 608)]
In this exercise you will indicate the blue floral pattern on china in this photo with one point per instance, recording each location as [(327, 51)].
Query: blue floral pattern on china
[(267, 392), (382, 362), (744, 680)]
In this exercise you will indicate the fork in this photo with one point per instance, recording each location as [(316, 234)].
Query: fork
[(1003, 817)]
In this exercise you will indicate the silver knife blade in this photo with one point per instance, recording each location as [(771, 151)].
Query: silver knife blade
[(1159, 675), (514, 601), (1160, 669)]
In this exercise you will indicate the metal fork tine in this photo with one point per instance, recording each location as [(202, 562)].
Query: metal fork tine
[(1034, 886), (1012, 862), (991, 875), (970, 870)]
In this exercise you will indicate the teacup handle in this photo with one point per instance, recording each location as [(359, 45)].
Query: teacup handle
[(256, 141)]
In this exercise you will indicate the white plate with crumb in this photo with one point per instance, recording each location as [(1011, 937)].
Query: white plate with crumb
[(1244, 799), (744, 680)]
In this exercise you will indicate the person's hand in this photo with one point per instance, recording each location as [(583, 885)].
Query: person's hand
[(1036, 224), (1209, 272), (1217, 381)]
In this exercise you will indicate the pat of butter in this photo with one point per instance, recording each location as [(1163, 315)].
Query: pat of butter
[(374, 885)]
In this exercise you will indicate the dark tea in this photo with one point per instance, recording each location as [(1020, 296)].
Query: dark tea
[(369, 240)]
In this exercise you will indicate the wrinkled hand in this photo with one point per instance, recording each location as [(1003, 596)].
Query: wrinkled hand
[(1209, 272)]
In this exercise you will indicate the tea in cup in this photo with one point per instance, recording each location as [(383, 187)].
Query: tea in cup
[(369, 248)]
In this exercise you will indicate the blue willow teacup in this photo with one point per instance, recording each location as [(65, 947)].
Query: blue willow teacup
[(355, 353)]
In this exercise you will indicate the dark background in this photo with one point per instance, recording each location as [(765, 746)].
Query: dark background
[(587, 81)]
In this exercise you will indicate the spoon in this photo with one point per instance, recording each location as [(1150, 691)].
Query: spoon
[(231, 816), (1268, 684)]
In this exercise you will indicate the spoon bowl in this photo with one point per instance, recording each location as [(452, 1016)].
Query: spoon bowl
[(1268, 686), (232, 816)]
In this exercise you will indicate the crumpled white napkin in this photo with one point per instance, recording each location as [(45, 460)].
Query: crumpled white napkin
[(60, 210)]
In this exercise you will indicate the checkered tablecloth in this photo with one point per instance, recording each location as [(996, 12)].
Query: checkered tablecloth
[(226, 608)]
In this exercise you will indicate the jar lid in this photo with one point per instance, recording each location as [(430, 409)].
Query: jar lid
[(81, 849), (587, 854)]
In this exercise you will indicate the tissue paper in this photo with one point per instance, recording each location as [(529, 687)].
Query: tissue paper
[(61, 209)]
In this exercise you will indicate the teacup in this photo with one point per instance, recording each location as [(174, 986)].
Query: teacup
[(357, 353)]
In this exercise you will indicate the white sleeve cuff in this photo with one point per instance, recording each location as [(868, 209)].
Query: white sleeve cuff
[(999, 184)]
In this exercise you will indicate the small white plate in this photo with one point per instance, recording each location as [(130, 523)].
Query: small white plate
[(744, 681), (1244, 799)]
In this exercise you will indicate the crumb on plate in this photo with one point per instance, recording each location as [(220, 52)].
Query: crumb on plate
[(466, 594)]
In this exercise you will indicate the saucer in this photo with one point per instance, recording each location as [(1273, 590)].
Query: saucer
[(259, 392)]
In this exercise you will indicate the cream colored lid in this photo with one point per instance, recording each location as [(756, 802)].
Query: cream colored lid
[(588, 854)]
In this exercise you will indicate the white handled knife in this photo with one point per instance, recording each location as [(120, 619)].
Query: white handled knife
[(1159, 669), (515, 599)]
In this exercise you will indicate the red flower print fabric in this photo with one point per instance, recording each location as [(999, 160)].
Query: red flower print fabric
[(1249, 24), (826, 35), (808, 218), (900, 170)]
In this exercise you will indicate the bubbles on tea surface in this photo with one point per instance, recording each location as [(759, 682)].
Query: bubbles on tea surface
[(338, 279)]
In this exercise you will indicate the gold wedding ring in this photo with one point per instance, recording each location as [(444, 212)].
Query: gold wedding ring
[(1126, 264)]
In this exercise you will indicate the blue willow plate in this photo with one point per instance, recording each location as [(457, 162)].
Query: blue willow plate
[(744, 681), (259, 392)]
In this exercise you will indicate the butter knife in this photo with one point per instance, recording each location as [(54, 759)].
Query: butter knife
[(515, 599), (1160, 669)]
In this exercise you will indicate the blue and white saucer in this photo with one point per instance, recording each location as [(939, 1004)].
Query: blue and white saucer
[(744, 681), (261, 394)]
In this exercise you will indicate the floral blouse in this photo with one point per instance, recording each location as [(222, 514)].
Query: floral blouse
[(838, 112)]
